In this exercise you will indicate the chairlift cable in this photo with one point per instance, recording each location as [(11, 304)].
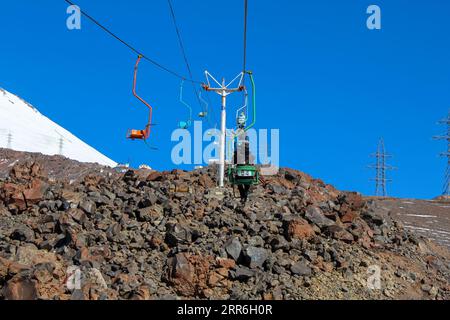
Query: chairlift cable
[(183, 51), (208, 110), (244, 69), (132, 48)]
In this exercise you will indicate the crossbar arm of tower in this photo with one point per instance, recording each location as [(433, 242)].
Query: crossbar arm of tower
[(381, 168), (446, 137)]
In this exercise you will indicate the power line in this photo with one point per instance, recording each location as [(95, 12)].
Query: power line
[(157, 64)]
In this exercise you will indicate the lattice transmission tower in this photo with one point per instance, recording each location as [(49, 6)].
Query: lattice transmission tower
[(61, 143), (9, 142), (381, 168), (446, 136)]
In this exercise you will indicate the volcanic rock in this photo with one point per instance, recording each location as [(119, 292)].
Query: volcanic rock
[(316, 216), (297, 228), (234, 248), (300, 268), (255, 257), (171, 235)]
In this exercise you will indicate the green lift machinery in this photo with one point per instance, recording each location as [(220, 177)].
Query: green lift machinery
[(242, 173)]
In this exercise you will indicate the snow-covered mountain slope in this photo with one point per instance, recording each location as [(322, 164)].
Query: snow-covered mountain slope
[(24, 128)]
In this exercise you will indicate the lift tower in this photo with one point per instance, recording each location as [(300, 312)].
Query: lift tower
[(224, 90)]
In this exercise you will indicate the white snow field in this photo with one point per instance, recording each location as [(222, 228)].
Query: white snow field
[(24, 128)]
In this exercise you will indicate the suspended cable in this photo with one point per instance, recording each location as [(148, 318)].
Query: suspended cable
[(180, 40), (183, 51), (157, 64), (244, 69)]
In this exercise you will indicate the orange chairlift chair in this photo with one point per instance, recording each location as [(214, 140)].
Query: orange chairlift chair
[(140, 134)]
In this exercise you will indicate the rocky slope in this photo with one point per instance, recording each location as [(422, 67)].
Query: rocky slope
[(430, 219), (169, 235), (56, 167)]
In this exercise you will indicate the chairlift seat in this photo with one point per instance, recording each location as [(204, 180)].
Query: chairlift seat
[(183, 125), (136, 134), (243, 175)]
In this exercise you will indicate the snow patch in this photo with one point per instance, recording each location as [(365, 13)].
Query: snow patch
[(419, 215), (427, 230)]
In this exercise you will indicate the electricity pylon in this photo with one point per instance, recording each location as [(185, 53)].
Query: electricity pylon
[(446, 191), (61, 141), (9, 145), (381, 167)]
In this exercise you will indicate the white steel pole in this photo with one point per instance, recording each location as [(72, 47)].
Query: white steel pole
[(223, 127)]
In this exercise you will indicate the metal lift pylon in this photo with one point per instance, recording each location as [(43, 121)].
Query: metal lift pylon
[(224, 90)]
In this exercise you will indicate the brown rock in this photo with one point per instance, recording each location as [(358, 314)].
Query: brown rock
[(352, 203), (4, 264), (20, 289), (13, 195), (15, 268), (47, 285), (214, 279), (324, 266), (77, 214), (366, 242), (143, 293), (182, 275), (199, 213), (206, 181), (223, 272), (30, 256), (180, 188), (151, 213), (188, 274), (278, 181), (156, 241), (348, 217), (155, 176), (35, 192), (24, 195), (339, 233), (267, 296), (83, 254), (26, 171), (93, 285), (72, 197), (298, 229), (354, 200), (92, 180), (226, 263)]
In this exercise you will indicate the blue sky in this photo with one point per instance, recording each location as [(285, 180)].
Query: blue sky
[(330, 85)]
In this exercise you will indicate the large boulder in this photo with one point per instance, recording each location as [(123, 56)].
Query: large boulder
[(297, 228), (316, 216), (188, 274)]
